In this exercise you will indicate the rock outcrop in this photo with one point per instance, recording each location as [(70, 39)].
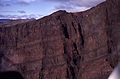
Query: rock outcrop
[(83, 45)]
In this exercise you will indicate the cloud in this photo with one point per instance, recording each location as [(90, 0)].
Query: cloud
[(75, 5), (20, 16), (87, 3), (1, 5), (25, 1), (7, 2), (4, 4), (22, 12), (12, 11), (64, 6), (58, 0), (70, 7), (7, 11)]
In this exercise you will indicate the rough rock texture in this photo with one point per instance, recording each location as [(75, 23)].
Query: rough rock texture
[(83, 45)]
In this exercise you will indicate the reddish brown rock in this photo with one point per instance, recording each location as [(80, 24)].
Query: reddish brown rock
[(83, 45)]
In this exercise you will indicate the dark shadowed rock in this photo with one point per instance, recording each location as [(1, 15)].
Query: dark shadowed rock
[(83, 45), (10, 75)]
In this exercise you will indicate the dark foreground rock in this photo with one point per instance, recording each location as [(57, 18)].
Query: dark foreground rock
[(83, 45)]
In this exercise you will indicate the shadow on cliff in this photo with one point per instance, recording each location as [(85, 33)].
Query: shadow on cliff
[(10, 75)]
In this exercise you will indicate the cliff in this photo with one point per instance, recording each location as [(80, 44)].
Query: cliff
[(83, 45)]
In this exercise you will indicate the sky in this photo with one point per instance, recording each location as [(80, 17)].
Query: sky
[(26, 9)]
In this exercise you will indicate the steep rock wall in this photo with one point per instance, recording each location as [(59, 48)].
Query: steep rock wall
[(83, 45)]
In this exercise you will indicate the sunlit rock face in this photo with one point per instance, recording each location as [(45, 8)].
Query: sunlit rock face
[(83, 45), (116, 73)]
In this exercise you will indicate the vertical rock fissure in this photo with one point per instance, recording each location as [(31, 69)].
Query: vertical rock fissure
[(81, 35), (3, 46), (72, 72), (41, 73), (112, 59), (108, 31), (1, 56), (70, 68), (74, 27), (65, 31), (66, 59), (76, 56), (16, 37), (72, 62)]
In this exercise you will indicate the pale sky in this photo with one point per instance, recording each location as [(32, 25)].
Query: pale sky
[(21, 9)]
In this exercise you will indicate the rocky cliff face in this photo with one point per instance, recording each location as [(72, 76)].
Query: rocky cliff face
[(83, 45)]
